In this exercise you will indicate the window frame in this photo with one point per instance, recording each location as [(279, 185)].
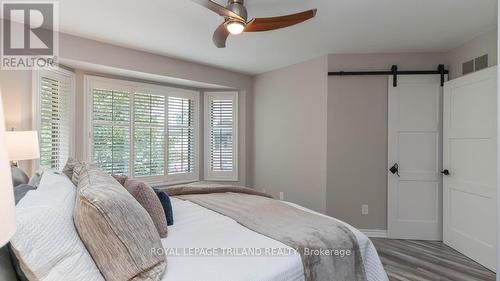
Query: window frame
[(196, 174), (209, 175), (53, 73), (91, 82)]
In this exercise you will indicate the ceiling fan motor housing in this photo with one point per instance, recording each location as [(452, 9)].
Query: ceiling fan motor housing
[(238, 7)]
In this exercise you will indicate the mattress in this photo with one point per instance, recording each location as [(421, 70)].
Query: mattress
[(205, 245)]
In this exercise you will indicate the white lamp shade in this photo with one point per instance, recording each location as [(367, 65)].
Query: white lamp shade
[(22, 145), (7, 207)]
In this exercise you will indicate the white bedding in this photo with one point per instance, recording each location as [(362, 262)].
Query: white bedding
[(198, 227)]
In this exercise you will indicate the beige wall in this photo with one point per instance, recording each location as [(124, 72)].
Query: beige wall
[(483, 44), (289, 147)]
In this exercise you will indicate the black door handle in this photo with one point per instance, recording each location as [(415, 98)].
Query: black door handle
[(394, 169), (445, 172)]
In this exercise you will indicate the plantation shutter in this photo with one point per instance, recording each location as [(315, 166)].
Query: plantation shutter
[(111, 130), (144, 131), (221, 135), (149, 135), (181, 135), (55, 91)]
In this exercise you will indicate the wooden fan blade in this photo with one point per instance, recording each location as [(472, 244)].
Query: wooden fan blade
[(220, 10), (220, 36), (265, 24)]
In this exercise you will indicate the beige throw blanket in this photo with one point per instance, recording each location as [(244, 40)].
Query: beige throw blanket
[(306, 232), (206, 188)]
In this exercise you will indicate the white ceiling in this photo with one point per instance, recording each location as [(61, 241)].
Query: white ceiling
[(182, 29)]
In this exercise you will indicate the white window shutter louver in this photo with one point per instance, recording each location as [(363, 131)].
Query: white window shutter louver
[(221, 136), (111, 130), (55, 93), (144, 131), (181, 135)]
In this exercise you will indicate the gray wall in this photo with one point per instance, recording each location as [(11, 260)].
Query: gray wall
[(16, 92), (357, 135), (289, 147), (357, 127), (17, 89), (483, 44), (92, 52), (357, 150), (287, 154), (322, 141)]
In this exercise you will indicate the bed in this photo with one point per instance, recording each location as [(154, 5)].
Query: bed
[(198, 227)]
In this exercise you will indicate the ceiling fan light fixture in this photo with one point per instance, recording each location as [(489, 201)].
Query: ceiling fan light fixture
[(235, 27), (236, 21)]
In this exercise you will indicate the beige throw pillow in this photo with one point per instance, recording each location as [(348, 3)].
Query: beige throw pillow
[(118, 232)]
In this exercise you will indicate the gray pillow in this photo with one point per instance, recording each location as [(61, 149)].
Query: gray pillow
[(16, 265), (21, 190), (111, 223), (7, 271), (36, 178), (69, 169)]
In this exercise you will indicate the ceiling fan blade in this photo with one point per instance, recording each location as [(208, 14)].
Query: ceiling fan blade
[(265, 24), (220, 36), (220, 10)]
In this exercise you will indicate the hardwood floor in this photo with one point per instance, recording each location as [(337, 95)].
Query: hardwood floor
[(427, 260)]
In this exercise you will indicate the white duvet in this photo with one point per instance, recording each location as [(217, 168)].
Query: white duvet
[(198, 228)]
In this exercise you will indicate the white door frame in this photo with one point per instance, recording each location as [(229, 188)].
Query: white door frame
[(415, 196)]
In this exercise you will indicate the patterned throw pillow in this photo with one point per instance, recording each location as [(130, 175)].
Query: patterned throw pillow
[(117, 231), (146, 196)]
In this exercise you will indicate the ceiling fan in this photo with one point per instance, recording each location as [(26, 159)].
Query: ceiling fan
[(235, 20)]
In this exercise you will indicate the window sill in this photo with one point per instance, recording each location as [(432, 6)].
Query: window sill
[(156, 184), (220, 180)]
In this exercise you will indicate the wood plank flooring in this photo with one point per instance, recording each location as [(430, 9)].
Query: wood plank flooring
[(412, 260)]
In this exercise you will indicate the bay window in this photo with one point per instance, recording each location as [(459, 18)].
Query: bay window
[(143, 131)]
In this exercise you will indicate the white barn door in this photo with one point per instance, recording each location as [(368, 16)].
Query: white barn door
[(414, 158), (469, 155)]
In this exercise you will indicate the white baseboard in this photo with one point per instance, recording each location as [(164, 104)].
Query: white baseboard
[(375, 233)]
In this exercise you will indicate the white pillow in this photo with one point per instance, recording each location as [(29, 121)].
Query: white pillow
[(46, 242)]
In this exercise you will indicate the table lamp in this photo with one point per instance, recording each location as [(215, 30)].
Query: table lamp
[(7, 207), (21, 145)]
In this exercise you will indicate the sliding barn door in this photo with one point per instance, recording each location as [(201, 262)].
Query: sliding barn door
[(469, 157), (414, 155)]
